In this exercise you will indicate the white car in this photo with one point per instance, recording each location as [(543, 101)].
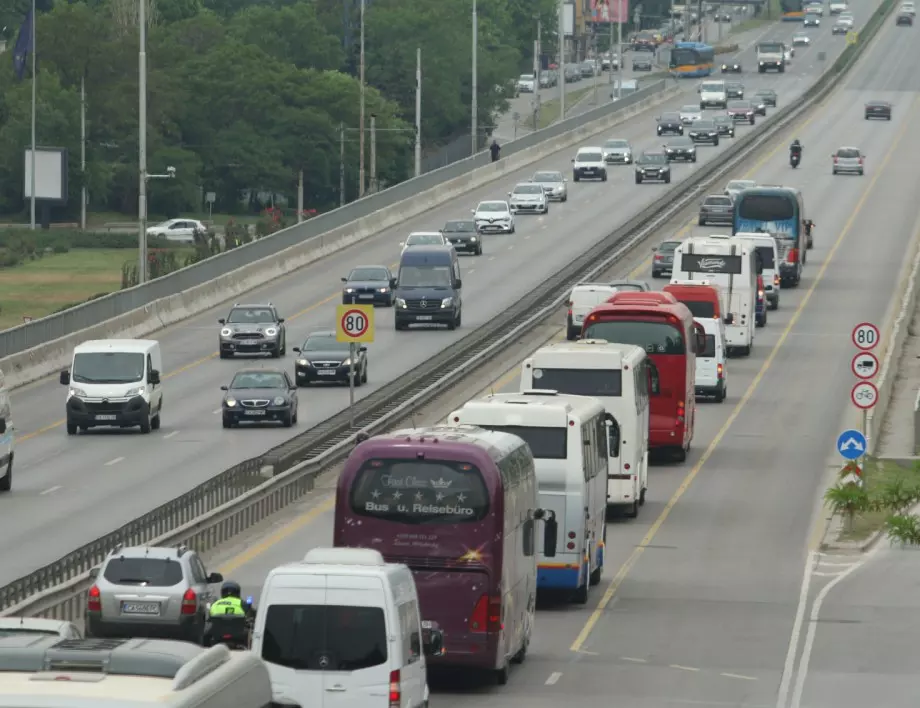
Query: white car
[(908, 8), (801, 39), (425, 238), (817, 10), (182, 230), (528, 197), (526, 83), (788, 54), (40, 626), (837, 7), (690, 113), (589, 164), (847, 19), (494, 217), (812, 21)]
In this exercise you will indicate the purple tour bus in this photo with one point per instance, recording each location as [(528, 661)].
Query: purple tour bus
[(458, 505)]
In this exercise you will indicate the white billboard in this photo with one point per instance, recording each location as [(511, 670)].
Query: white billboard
[(568, 18), (50, 174)]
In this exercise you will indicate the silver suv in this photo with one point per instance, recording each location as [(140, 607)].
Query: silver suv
[(150, 591)]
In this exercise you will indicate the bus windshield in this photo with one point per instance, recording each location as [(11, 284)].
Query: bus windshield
[(412, 491), (684, 57), (581, 382), (654, 337)]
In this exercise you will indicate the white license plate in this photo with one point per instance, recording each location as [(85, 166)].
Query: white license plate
[(140, 608), (326, 372), (366, 297), (106, 416), (424, 318), (255, 412)]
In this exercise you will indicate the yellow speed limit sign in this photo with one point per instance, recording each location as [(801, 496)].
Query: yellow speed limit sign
[(852, 37), (354, 323)]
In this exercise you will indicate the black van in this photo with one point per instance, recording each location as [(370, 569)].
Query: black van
[(427, 288)]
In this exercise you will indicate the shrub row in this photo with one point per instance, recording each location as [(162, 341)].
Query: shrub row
[(726, 49), (62, 240)]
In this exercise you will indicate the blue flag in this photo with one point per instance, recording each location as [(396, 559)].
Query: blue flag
[(23, 46)]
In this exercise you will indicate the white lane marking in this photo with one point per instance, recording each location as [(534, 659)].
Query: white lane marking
[(471, 271), (215, 411), (635, 661), (492, 258), (553, 678), (684, 668), (827, 575), (813, 629), (169, 435), (50, 490), (739, 676), (836, 565), (789, 665), (114, 462)]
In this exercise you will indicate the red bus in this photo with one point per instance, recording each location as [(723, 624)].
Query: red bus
[(665, 329), (458, 506)]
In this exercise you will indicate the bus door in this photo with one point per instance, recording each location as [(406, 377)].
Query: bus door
[(617, 478)]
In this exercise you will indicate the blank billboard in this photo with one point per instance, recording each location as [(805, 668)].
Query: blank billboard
[(50, 174)]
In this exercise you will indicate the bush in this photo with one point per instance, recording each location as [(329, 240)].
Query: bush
[(62, 240), (726, 49)]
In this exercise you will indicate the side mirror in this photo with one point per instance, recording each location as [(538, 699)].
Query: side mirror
[(296, 350), (573, 159), (280, 320), (472, 211), (392, 282), (458, 284), (729, 319), (93, 573), (509, 194), (432, 639), (344, 280), (221, 321), (654, 249), (224, 388), (65, 378), (153, 377), (402, 243), (550, 536), (215, 578), (360, 349), (2, 425)]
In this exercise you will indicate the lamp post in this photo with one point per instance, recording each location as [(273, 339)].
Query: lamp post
[(361, 111), (142, 146), (474, 128)]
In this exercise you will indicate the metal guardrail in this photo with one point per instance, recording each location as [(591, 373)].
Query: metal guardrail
[(61, 324), (243, 496)]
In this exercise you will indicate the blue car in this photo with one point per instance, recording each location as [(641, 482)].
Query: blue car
[(368, 285)]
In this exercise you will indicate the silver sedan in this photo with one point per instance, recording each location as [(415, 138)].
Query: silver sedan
[(554, 184)]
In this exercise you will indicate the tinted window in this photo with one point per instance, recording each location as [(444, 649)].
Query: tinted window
[(258, 379), (424, 277), (324, 637), (493, 206), (710, 350), (680, 57), (369, 274), (420, 491), (766, 207), (545, 443), (580, 382), (770, 47), (616, 144), (718, 201), (701, 263), (703, 125), (528, 189), (713, 86), (654, 159), (547, 177), (847, 152), (668, 246), (251, 315), (669, 117), (154, 572), (589, 157), (323, 343), (459, 226), (108, 367), (653, 337), (766, 257), (701, 308)]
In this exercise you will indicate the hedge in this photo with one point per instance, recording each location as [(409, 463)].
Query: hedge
[(726, 49), (62, 240)]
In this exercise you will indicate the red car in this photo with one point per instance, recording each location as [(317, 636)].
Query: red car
[(740, 111)]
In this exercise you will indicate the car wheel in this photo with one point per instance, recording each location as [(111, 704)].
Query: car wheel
[(225, 355), (833, 171), (288, 420), (667, 179), (861, 173), (364, 375), (638, 179), (228, 423), (71, 428), (701, 221), (604, 177), (575, 177), (7, 482), (155, 422), (715, 143)]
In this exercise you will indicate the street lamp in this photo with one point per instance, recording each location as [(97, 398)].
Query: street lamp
[(474, 128), (145, 177)]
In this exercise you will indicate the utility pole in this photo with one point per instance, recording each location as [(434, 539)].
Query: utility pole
[(361, 111), (373, 153), (83, 151), (561, 57), (300, 197), (621, 18), (474, 128), (418, 111), (537, 52), (341, 164), (142, 146)]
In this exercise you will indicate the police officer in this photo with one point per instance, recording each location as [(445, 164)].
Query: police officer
[(230, 603), (230, 613)]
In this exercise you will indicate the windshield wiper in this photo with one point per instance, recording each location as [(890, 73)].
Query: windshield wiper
[(79, 378)]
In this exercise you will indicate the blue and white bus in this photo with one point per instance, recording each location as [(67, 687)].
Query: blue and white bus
[(779, 211), (690, 59)]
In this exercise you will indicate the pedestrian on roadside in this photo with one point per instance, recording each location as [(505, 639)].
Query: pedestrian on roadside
[(495, 149)]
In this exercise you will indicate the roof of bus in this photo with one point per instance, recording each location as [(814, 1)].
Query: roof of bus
[(692, 45), (717, 241), (550, 407), (455, 439), (651, 309), (769, 189), (612, 354)]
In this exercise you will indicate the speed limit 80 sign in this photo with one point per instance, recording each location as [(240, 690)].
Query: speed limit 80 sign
[(866, 336), (354, 323)]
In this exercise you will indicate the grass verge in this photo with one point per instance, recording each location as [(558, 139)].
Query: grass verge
[(877, 475), (45, 285), (549, 110), (771, 13)]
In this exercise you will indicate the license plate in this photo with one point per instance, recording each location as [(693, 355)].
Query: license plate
[(424, 318), (326, 372), (255, 412), (140, 608), (366, 297), (106, 416)]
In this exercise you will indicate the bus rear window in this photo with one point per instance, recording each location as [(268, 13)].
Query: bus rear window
[(580, 382), (653, 337), (545, 443), (420, 491), (766, 207), (701, 308)]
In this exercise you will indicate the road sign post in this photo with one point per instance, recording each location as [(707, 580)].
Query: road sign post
[(866, 336), (353, 324), (851, 445)]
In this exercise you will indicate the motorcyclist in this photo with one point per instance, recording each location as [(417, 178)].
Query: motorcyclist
[(228, 617), (809, 225), (796, 148)]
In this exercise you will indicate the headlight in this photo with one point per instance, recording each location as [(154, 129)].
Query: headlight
[(400, 302), (724, 67), (278, 401), (303, 362), (347, 362), (473, 239), (226, 332), (349, 290), (78, 392), (271, 332), (230, 402), (134, 392), (383, 290), (447, 302)]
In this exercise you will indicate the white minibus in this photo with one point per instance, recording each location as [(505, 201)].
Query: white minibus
[(730, 264), (711, 377), (568, 438), (618, 376), (768, 252)]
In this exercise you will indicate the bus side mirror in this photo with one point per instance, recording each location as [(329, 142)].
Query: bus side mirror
[(432, 639), (729, 318), (65, 378), (392, 282), (550, 531)]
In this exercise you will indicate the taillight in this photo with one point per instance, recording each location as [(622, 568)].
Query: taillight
[(793, 256), (760, 294), (487, 615), (395, 690), (94, 600), (659, 258), (835, 159), (776, 280), (681, 411), (189, 602), (719, 371), (570, 312), (495, 614), (860, 161)]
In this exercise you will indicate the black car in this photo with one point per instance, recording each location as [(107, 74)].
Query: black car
[(259, 396), (716, 209), (904, 19), (653, 167), (704, 131), (642, 62), (878, 109), (731, 68), (324, 359), (725, 125), (734, 90), (843, 27), (252, 329), (368, 285), (680, 149), (767, 96), (670, 124), (463, 237), (760, 108), (663, 260)]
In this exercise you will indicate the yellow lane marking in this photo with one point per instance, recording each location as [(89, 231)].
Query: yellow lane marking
[(693, 473)]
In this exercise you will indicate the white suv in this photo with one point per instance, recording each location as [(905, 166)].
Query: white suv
[(711, 375), (589, 164)]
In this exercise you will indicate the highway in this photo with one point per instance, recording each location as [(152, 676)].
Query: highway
[(699, 600), (92, 483)]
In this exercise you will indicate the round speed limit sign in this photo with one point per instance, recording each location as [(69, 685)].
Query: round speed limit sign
[(866, 336), (355, 323)]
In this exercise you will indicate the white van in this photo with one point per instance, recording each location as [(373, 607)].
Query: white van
[(713, 94), (341, 629), (584, 298), (730, 264), (711, 378), (7, 440), (768, 252), (114, 382)]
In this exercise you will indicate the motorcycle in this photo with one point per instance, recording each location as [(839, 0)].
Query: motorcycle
[(226, 630), (794, 159)]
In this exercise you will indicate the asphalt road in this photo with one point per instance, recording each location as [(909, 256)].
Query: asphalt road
[(90, 484), (699, 599)]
